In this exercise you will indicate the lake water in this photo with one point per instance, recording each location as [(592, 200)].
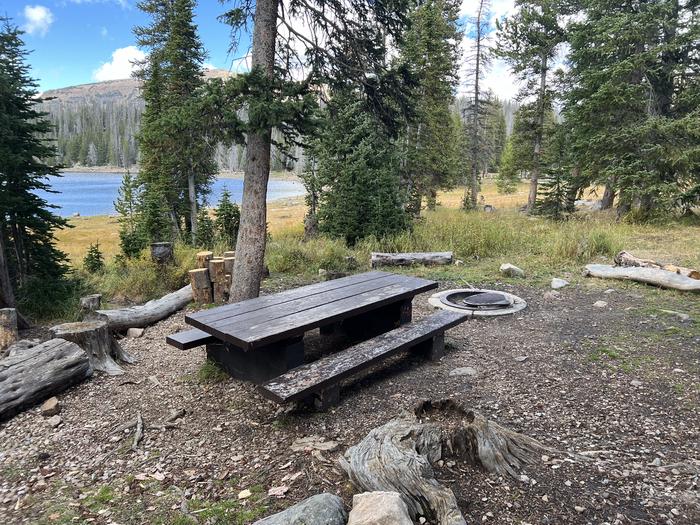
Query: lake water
[(95, 193)]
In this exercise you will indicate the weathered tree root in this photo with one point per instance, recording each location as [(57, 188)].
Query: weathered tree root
[(399, 455)]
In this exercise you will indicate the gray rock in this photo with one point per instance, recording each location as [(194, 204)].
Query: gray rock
[(379, 508), (464, 371), (520, 358), (321, 509), (559, 283), (54, 421), (636, 382), (50, 407), (134, 332), (600, 304), (551, 295), (510, 270)]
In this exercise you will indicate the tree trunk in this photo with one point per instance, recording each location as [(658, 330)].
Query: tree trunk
[(7, 296), (653, 276), (37, 373), (627, 259), (8, 327), (608, 197), (399, 456), (252, 234), (192, 194), (96, 340), (539, 132)]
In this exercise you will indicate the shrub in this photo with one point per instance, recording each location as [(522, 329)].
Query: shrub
[(94, 261), (205, 229), (228, 220)]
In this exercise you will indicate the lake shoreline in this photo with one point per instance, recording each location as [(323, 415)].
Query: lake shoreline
[(224, 175)]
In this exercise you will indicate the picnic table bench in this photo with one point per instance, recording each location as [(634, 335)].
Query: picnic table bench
[(262, 339)]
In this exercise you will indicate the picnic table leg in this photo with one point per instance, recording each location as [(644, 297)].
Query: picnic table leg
[(370, 324), (260, 364)]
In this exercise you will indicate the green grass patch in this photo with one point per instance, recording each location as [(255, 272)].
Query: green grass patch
[(210, 372)]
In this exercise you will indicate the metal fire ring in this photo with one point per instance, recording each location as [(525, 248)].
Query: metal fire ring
[(454, 300)]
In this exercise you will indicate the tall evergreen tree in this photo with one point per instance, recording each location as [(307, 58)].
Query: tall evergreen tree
[(431, 143), (633, 100), (27, 223), (508, 175), (177, 155), (357, 172), (529, 41)]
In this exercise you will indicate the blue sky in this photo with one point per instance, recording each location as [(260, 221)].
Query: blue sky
[(81, 41)]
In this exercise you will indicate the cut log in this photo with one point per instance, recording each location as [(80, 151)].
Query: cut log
[(399, 456), (627, 259), (37, 373), (230, 254), (162, 252), (90, 303), (96, 340), (653, 276), (217, 270), (201, 286), (144, 315), (407, 259), (8, 327), (228, 264), (203, 259), (220, 292)]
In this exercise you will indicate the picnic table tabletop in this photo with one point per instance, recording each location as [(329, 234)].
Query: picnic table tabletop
[(270, 318)]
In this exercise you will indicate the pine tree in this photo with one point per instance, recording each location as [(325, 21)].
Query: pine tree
[(633, 102), (556, 193), (131, 235), (205, 229), (177, 155), (529, 40), (508, 175), (228, 220), (357, 171), (94, 262), (27, 224), (430, 51)]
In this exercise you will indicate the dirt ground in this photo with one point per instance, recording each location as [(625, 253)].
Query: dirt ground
[(619, 384)]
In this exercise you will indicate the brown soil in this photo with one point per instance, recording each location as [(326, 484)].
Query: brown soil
[(617, 384)]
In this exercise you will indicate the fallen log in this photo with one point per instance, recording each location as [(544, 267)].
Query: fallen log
[(147, 314), (627, 259), (407, 259), (653, 276), (399, 456), (95, 338), (37, 373)]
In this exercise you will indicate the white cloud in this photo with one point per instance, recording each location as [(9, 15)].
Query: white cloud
[(122, 64), (39, 19), (122, 3), (208, 65)]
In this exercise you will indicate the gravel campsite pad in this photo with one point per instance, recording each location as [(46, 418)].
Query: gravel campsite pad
[(617, 383)]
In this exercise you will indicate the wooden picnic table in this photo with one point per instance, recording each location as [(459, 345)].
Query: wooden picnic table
[(262, 338)]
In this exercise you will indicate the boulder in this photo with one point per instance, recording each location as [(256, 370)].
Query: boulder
[(510, 270), (321, 509), (559, 283), (50, 407), (134, 332), (379, 508)]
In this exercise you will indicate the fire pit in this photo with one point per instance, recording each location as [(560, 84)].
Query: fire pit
[(480, 303)]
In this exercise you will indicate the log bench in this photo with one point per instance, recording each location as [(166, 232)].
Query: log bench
[(319, 381)]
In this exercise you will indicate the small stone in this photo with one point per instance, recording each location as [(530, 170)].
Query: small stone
[(675, 512), (510, 270), (656, 462), (321, 509), (244, 494), (636, 383), (551, 295), (567, 483), (50, 407), (520, 358), (558, 283), (322, 272), (579, 509), (458, 262), (464, 371), (134, 333), (545, 498), (610, 290), (54, 421), (600, 304), (422, 520), (379, 508)]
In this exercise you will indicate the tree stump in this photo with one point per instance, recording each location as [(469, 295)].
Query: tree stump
[(399, 456), (90, 303), (229, 254), (95, 339), (201, 286), (37, 373), (162, 252), (228, 264), (217, 274), (8, 327), (203, 259)]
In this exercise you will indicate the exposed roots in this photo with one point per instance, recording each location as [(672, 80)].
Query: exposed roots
[(399, 456)]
